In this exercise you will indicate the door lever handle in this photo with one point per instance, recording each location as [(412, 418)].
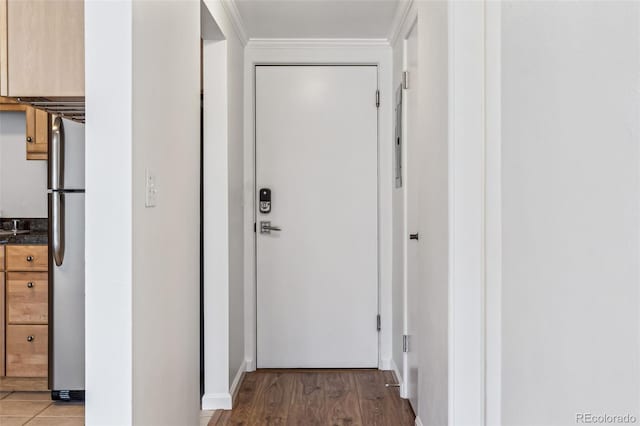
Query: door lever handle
[(415, 236), (266, 228)]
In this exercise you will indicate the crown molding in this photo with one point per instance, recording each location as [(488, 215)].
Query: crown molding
[(402, 12), (320, 43), (236, 19)]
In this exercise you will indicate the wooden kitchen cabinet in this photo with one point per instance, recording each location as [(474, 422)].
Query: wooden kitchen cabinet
[(41, 48), (24, 309), (37, 127), (21, 258), (2, 324), (27, 297), (27, 350)]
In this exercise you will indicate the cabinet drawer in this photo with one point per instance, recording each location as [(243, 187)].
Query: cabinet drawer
[(2, 322), (27, 297), (27, 258), (27, 354)]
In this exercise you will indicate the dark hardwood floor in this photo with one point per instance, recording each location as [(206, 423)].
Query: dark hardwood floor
[(317, 397)]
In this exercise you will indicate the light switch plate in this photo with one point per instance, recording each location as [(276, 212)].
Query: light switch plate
[(151, 190)]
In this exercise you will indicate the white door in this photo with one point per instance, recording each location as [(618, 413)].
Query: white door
[(317, 277), (413, 182)]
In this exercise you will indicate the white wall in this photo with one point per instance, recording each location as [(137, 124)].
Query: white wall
[(216, 225), (224, 220), (142, 289), (571, 222), (434, 218), (166, 252), (23, 183), (237, 226), (108, 213), (466, 211)]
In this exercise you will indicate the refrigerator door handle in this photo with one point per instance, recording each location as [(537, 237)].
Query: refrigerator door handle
[(57, 227), (56, 153)]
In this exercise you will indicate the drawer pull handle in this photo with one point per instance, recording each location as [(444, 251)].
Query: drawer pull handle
[(29, 258), (30, 338), (30, 284), (29, 139)]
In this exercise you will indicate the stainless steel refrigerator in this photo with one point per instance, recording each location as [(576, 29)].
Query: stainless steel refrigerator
[(66, 259)]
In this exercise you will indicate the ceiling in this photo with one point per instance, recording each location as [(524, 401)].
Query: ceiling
[(317, 18)]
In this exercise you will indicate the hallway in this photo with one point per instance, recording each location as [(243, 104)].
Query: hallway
[(446, 190), (317, 397)]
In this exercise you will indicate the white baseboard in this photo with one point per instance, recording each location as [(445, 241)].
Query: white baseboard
[(224, 400), (216, 401), (235, 385), (385, 364), (251, 366), (396, 372), (418, 421)]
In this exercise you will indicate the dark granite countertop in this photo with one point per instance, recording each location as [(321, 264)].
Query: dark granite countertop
[(32, 238), (37, 235)]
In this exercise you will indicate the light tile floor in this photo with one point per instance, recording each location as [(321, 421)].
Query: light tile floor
[(37, 409)]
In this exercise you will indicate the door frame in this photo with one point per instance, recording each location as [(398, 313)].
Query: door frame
[(412, 23), (322, 53)]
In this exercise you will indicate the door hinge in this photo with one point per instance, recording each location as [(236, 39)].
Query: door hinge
[(377, 99), (378, 323), (405, 343), (405, 79)]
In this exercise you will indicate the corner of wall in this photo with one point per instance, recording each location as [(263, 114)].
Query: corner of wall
[(250, 365), (396, 373), (108, 297), (386, 364), (223, 158)]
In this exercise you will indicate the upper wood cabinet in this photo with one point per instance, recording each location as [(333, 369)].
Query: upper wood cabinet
[(37, 127), (41, 48)]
